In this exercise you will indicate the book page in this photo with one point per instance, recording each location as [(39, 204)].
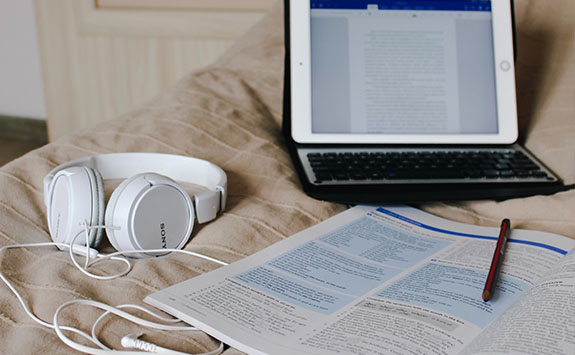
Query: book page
[(542, 322), (367, 281)]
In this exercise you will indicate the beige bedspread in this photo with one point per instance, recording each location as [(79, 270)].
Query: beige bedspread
[(230, 114)]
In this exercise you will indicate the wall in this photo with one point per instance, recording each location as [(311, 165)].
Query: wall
[(21, 90)]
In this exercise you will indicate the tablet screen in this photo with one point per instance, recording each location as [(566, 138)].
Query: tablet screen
[(415, 71)]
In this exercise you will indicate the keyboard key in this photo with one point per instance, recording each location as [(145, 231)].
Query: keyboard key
[(357, 176)]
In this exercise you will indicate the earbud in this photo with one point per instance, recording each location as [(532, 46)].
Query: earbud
[(132, 342)]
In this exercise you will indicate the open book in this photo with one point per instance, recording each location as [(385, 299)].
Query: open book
[(388, 280)]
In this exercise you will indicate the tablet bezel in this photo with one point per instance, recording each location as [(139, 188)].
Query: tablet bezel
[(301, 99)]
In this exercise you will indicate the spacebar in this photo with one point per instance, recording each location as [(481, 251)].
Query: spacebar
[(425, 175)]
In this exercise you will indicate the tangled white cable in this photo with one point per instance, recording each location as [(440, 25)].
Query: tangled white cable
[(120, 313), (75, 249), (92, 258)]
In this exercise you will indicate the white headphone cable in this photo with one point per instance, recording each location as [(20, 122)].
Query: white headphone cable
[(119, 255), (72, 251), (120, 313), (108, 309), (134, 306), (21, 300)]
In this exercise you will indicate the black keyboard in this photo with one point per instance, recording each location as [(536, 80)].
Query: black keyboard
[(488, 165)]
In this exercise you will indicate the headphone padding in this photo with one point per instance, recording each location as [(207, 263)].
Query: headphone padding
[(76, 195), (112, 202), (99, 208)]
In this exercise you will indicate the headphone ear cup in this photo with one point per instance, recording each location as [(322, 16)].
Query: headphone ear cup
[(76, 195), (151, 211)]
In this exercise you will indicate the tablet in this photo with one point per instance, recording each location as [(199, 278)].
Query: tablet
[(402, 72)]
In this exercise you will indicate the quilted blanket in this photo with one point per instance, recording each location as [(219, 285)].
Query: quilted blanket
[(230, 114)]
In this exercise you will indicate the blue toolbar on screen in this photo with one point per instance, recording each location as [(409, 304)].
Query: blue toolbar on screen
[(418, 5)]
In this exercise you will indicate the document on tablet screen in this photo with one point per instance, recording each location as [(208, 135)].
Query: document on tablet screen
[(406, 72)]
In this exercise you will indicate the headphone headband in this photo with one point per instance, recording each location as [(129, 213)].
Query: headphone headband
[(177, 167)]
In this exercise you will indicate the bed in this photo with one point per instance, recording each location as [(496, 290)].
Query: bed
[(230, 114)]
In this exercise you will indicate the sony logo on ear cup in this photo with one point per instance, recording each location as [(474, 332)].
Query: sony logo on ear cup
[(163, 235)]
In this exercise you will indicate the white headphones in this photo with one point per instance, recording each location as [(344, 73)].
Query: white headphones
[(148, 210), (148, 214)]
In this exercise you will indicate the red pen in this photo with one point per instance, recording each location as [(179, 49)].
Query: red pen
[(489, 288)]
